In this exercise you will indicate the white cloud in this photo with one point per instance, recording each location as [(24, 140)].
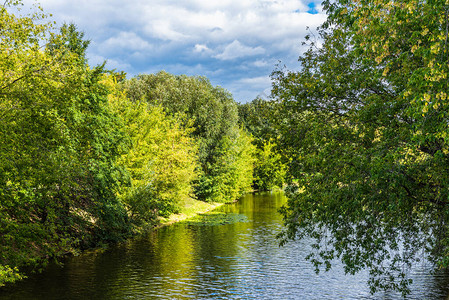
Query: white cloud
[(262, 63), (237, 50), (128, 41), (164, 30), (239, 38), (259, 81), (201, 49)]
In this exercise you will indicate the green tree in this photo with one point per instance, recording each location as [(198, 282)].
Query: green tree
[(232, 174), (367, 139), (71, 40), (261, 119), (58, 147), (269, 170), (162, 158), (215, 126)]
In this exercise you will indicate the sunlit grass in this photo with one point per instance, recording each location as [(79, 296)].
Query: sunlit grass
[(216, 218), (189, 209)]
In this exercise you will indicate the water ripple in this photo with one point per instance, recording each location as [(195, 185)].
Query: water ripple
[(232, 261)]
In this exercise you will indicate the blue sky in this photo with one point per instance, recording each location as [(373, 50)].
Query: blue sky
[(235, 43)]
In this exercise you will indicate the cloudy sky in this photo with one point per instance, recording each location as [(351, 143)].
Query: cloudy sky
[(235, 43)]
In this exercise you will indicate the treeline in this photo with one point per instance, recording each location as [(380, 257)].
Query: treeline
[(261, 119), (89, 157)]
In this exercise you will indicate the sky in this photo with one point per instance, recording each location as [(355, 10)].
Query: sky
[(234, 43)]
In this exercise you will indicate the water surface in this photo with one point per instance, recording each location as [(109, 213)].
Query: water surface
[(224, 261)]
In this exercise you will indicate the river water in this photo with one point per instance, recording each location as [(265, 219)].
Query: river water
[(235, 260)]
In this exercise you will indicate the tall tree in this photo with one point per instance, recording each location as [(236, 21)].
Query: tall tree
[(261, 119), (58, 147), (368, 139), (215, 126), (71, 40), (162, 158)]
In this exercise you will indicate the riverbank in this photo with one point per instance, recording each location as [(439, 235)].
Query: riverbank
[(189, 209)]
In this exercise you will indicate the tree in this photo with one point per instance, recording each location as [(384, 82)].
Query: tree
[(212, 113), (70, 40), (162, 158), (269, 170), (58, 146), (261, 119), (232, 173), (368, 139)]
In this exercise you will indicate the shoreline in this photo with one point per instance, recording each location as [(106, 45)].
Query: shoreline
[(205, 207), (190, 209)]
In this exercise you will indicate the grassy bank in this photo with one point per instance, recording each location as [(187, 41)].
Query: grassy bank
[(189, 209)]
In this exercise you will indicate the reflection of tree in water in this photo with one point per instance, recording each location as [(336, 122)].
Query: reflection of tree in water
[(238, 260)]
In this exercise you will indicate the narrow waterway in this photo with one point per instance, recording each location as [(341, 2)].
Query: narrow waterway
[(224, 260)]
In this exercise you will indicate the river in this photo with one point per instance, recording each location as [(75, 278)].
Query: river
[(236, 259)]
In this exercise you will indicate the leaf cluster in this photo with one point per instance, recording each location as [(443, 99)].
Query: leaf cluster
[(261, 119), (367, 139)]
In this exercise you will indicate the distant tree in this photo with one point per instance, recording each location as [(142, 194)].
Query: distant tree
[(232, 173), (162, 159), (269, 170), (212, 113), (261, 119)]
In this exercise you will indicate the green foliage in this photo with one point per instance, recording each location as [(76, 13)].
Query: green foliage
[(58, 146), (216, 218), (161, 160), (367, 139), (269, 170), (69, 40), (8, 275), (232, 174), (215, 129), (261, 119)]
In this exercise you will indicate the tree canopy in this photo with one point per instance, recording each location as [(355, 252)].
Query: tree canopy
[(162, 158), (261, 118), (224, 150), (58, 146), (368, 138)]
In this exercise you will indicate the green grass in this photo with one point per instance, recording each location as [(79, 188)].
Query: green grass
[(216, 218), (189, 209)]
